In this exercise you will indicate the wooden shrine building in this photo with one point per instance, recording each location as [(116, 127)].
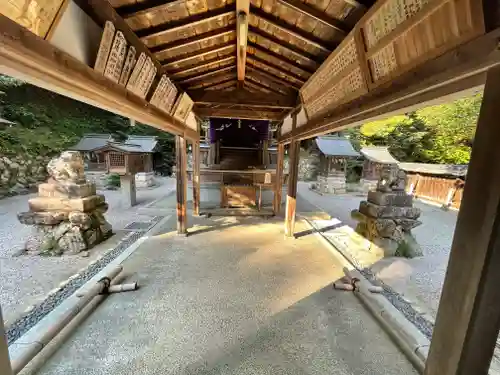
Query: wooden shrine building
[(376, 158), (312, 66), (335, 151)]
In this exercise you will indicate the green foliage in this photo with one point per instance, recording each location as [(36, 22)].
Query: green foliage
[(113, 181), (47, 123), (437, 134)]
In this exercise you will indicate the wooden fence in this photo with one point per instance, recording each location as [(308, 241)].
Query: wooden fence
[(446, 191)]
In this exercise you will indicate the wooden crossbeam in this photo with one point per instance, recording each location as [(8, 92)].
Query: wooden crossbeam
[(204, 64), (207, 74), (281, 43), (223, 79), (242, 19), (193, 40), (242, 97), (278, 68), (316, 14), (292, 30), (269, 75), (180, 24), (222, 85), (280, 58), (250, 114), (256, 81), (142, 7), (174, 63)]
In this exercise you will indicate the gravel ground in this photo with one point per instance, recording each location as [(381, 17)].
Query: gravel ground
[(419, 280), (26, 280)]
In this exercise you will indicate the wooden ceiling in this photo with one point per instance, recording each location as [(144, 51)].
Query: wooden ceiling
[(196, 42)]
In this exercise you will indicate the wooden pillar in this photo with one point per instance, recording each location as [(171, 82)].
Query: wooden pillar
[(5, 368), (291, 199), (196, 178), (468, 319), (279, 179), (181, 177)]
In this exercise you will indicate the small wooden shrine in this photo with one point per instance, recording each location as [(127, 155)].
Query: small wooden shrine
[(376, 158), (335, 151)]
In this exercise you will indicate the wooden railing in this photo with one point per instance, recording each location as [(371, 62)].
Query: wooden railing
[(393, 37)]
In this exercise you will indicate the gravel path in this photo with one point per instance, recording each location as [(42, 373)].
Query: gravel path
[(418, 280), (25, 280)]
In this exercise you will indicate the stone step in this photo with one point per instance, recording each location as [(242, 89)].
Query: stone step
[(399, 199), (40, 204), (378, 211)]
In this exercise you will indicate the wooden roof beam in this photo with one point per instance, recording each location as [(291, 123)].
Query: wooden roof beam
[(172, 63), (272, 77), (193, 40), (145, 6), (280, 58), (207, 74), (280, 69), (222, 85), (242, 97), (251, 114), (291, 48), (204, 86), (180, 24), (260, 88), (316, 14), (255, 81), (292, 30), (242, 19), (203, 64)]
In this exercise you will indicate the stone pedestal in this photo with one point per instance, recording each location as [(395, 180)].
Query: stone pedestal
[(127, 187), (144, 179), (333, 184), (67, 215), (387, 217)]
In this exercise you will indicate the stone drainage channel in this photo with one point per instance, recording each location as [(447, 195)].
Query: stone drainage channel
[(55, 298)]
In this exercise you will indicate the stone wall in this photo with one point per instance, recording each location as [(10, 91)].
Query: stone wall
[(21, 173)]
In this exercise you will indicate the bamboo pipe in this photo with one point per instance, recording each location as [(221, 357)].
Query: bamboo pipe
[(37, 345)]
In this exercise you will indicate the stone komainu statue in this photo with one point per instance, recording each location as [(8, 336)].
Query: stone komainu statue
[(68, 167)]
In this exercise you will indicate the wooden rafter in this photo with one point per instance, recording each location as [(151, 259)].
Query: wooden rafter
[(256, 81), (242, 19), (173, 63), (280, 58), (292, 30), (142, 7), (224, 79), (204, 64), (251, 114), (242, 97), (179, 25), (277, 68), (222, 85), (193, 40), (281, 43), (270, 76), (207, 74), (316, 14), (253, 85)]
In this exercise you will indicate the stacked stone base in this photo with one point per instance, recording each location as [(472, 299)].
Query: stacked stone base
[(333, 184), (386, 219), (68, 218)]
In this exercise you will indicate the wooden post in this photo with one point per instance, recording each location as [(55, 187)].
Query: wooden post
[(181, 177), (279, 179), (5, 367), (468, 319), (293, 169), (196, 178), (265, 153)]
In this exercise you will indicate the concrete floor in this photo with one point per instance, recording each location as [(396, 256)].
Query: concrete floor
[(233, 298)]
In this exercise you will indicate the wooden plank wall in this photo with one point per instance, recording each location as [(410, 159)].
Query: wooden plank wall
[(393, 37), (436, 189)]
